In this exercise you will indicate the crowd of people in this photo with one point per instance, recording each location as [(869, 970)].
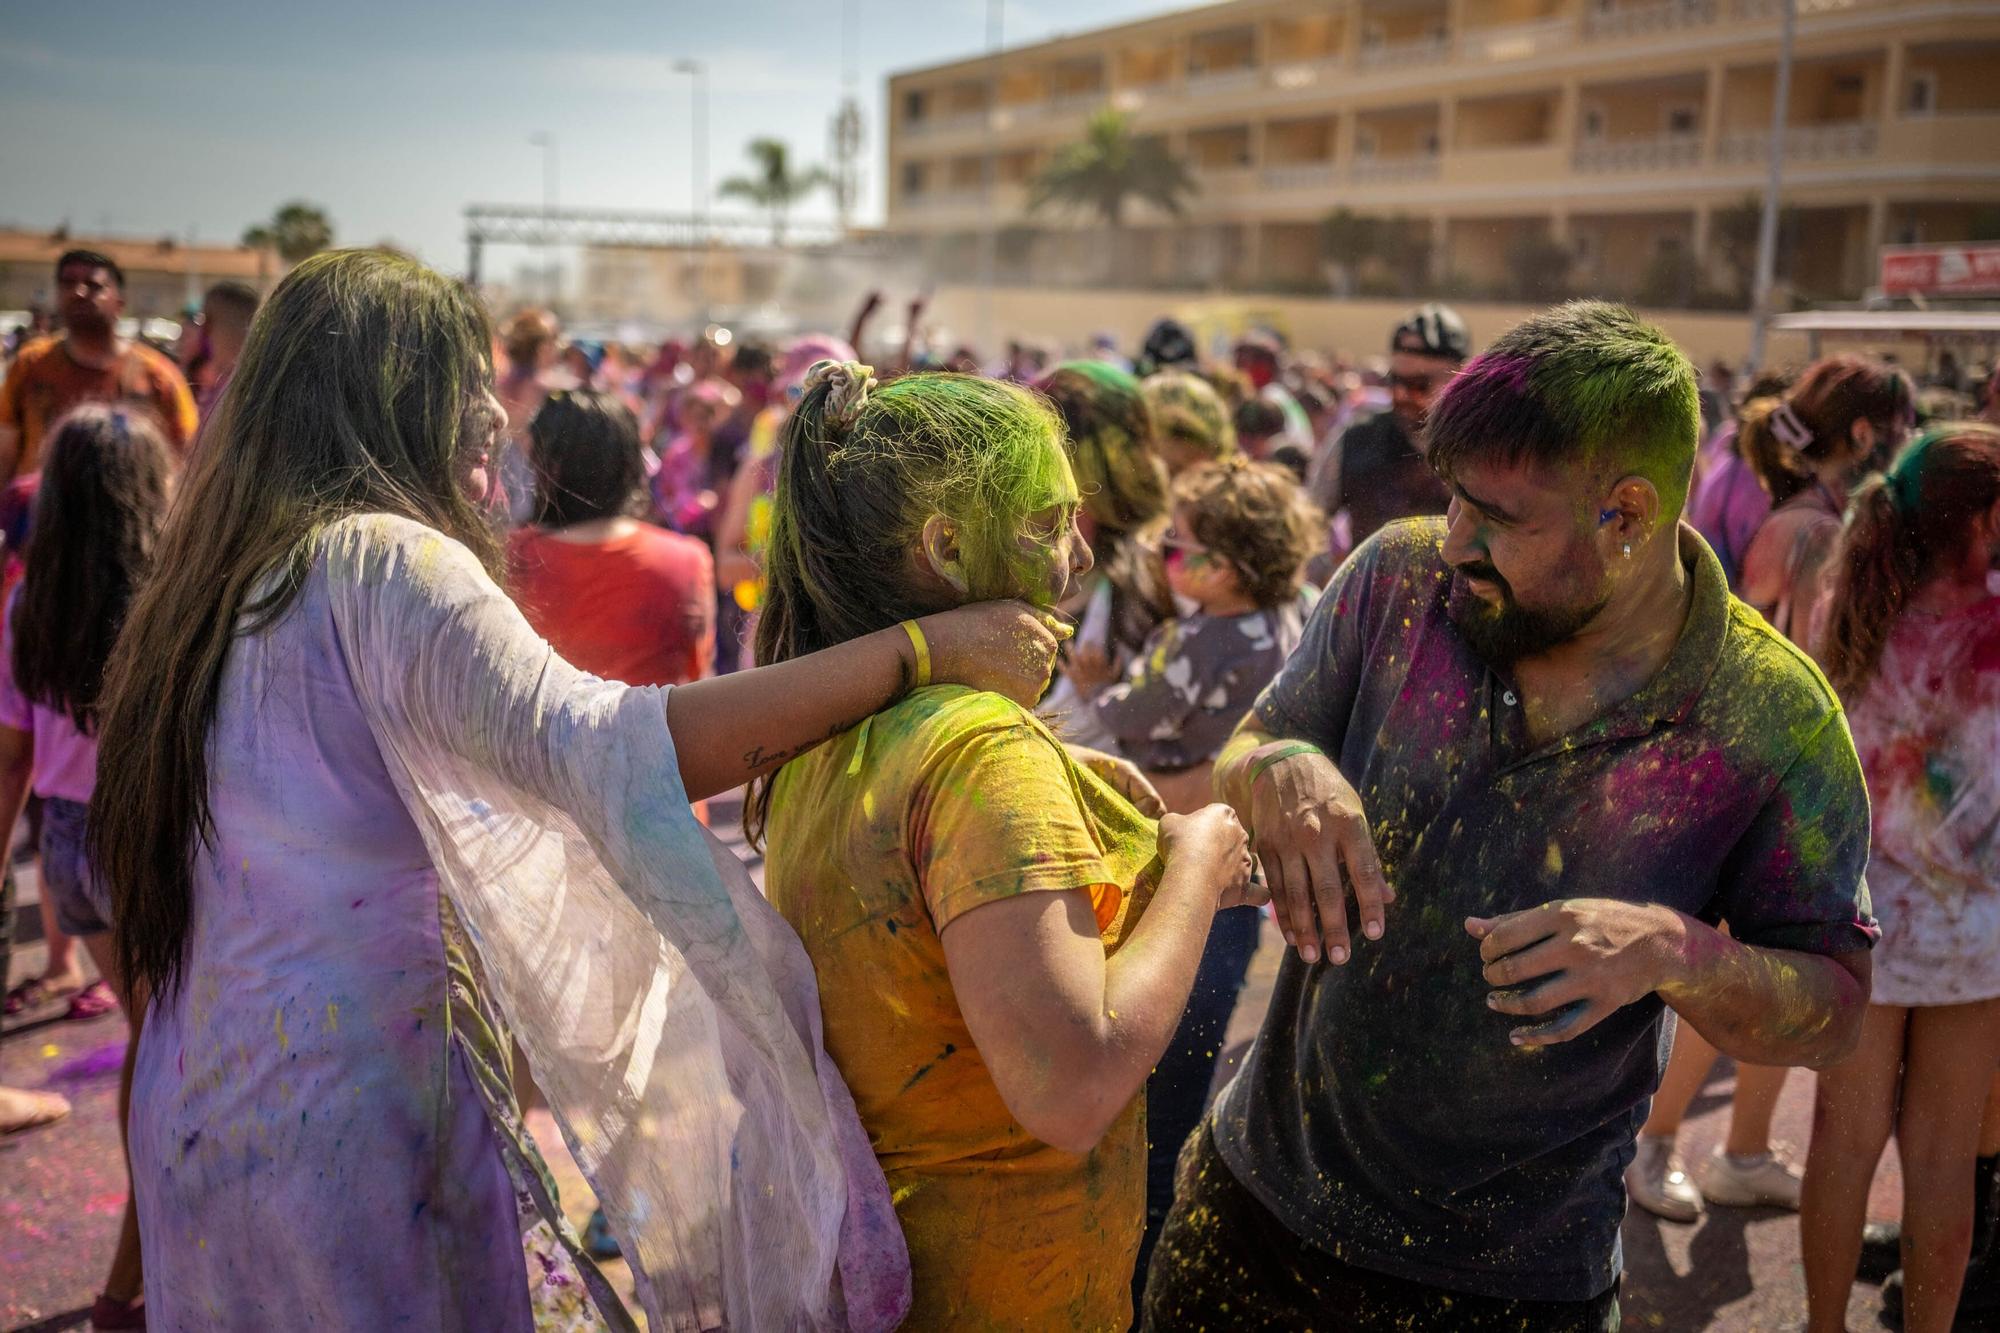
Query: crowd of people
[(368, 671)]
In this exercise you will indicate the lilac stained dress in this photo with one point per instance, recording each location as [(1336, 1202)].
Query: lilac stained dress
[(429, 831)]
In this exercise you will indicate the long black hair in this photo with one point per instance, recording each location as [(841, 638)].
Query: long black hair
[(98, 511)]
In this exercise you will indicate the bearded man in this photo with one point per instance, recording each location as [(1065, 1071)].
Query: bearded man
[(1544, 752)]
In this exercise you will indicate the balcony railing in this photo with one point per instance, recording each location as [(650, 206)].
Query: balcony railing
[(955, 200), (958, 122), (1235, 79), (1768, 9), (1665, 153), (1516, 41), (1429, 50), (1379, 170), (1640, 19), (1297, 74), (1803, 143), (1300, 175)]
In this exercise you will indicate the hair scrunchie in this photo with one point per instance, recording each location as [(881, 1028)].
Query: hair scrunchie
[(849, 384), (1905, 476)]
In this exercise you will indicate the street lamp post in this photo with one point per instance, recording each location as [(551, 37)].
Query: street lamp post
[(989, 179), (1767, 226), (697, 73), (546, 141)]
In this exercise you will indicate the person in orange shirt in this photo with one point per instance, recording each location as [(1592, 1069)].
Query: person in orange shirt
[(619, 598), (87, 362)]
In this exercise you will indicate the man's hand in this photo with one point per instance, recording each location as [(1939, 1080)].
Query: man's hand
[(1123, 776), (1591, 955), (1312, 838)]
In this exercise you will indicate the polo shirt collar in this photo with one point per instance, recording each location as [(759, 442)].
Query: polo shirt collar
[(1677, 686)]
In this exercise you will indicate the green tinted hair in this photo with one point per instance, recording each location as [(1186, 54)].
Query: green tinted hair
[(1187, 408), (1584, 385), (852, 500), (1110, 434)]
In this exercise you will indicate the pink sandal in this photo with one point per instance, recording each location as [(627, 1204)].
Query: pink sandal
[(93, 1001)]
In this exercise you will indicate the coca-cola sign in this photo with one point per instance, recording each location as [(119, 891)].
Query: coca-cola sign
[(1941, 270)]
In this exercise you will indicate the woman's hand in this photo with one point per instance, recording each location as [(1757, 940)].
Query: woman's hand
[(1220, 847), (1124, 777), (1006, 647)]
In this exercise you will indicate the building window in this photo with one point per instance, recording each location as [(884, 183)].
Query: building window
[(916, 104), (1364, 144), (1433, 144), (1683, 121), (1921, 97), (1593, 124), (913, 178), (1584, 246)]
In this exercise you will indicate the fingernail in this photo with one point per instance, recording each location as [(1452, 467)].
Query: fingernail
[(1338, 955), (1492, 1000), (1310, 954), (1519, 1039), (1373, 930)]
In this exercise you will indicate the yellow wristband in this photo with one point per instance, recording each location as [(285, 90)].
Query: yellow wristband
[(917, 641)]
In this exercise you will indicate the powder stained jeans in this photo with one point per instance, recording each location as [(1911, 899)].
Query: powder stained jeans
[(1225, 1263)]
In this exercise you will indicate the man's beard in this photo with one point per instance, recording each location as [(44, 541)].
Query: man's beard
[(1504, 634)]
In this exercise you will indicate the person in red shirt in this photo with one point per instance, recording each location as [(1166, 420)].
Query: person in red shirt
[(87, 363), (617, 597)]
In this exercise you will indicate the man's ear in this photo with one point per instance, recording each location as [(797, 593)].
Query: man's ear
[(1631, 513), (941, 553)]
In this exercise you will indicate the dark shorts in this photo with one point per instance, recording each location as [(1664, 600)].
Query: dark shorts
[(1224, 1262), (73, 889)]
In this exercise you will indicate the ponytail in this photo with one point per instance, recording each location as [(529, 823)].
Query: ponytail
[(1903, 529), (860, 472), (1765, 440)]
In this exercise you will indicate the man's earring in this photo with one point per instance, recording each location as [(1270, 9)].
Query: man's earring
[(1628, 550)]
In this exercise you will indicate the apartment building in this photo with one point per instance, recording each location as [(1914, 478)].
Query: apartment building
[(1631, 134)]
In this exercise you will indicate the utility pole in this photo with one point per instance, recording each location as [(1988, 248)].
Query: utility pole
[(845, 133), (989, 176), (1767, 228), (546, 141), (697, 73)]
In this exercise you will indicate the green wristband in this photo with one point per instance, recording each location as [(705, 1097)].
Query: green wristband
[(1281, 754)]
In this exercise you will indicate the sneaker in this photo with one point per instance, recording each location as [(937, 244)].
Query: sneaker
[(1658, 1182), (1881, 1250), (1766, 1180)]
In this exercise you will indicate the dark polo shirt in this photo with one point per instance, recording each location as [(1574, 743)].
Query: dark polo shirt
[(1383, 1114)]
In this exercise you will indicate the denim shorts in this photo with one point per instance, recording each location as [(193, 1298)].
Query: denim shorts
[(82, 903)]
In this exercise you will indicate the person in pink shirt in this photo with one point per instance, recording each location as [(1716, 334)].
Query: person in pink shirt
[(103, 495), (695, 468)]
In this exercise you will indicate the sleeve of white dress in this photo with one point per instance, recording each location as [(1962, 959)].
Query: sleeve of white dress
[(668, 1013)]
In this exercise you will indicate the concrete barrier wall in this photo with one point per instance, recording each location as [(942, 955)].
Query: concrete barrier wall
[(1358, 328)]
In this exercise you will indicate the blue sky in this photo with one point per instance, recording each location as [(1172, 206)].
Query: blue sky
[(148, 118)]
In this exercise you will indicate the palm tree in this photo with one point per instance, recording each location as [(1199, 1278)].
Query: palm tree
[(296, 231), (774, 186), (1109, 169)]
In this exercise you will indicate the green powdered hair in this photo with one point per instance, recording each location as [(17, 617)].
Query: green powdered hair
[(1110, 433), (1586, 385), (852, 499)]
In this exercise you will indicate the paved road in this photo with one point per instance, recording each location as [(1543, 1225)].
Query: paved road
[(61, 1190)]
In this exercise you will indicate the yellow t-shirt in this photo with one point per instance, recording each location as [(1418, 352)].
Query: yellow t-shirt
[(878, 840)]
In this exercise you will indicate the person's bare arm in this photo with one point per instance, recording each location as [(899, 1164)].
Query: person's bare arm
[(17, 756), (1593, 956), (730, 729), (1068, 1035), (1311, 836)]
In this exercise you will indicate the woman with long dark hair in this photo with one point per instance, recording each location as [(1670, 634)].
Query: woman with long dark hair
[(360, 821), (1911, 640), (103, 494)]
